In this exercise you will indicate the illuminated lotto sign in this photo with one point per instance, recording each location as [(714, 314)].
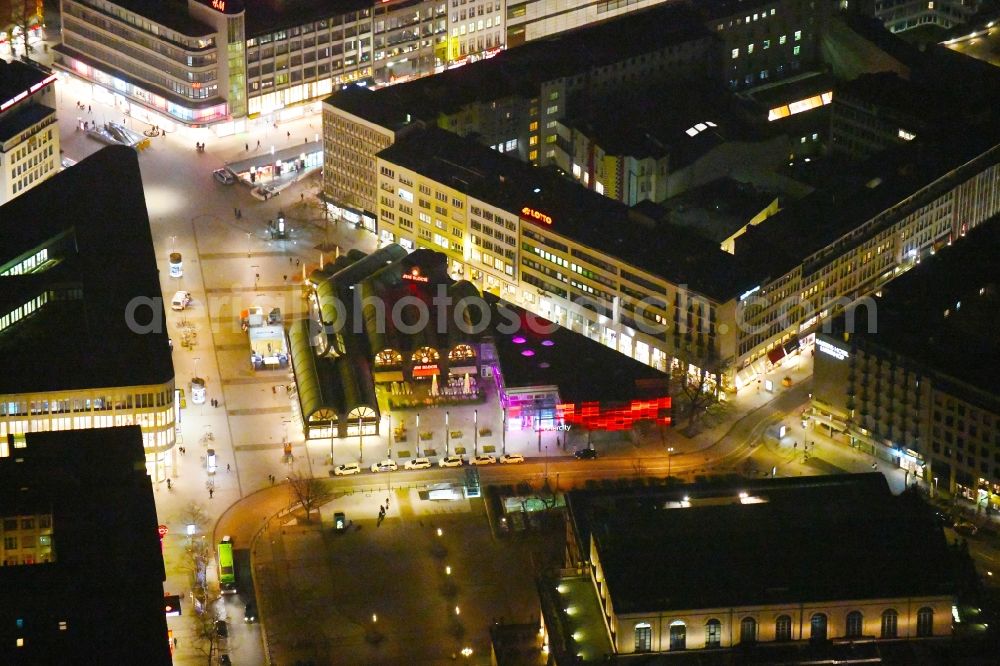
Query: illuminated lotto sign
[(529, 213), (831, 350), (415, 276)]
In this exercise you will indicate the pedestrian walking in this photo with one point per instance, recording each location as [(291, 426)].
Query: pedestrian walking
[(175, 642), (288, 134), (285, 278), (236, 212), (386, 503), (289, 261), (228, 468), (302, 196), (258, 143), (246, 147), (274, 390), (296, 263), (169, 486), (211, 493), (89, 110)]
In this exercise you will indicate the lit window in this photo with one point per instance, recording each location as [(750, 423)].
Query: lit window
[(772, 12), (767, 43), (736, 53), (795, 51), (781, 40), (750, 49), (798, 35)]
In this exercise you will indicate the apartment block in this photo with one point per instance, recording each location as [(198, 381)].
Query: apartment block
[(909, 376)]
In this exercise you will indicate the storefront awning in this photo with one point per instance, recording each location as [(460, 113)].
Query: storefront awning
[(775, 355), (388, 376), (463, 370), (791, 346)]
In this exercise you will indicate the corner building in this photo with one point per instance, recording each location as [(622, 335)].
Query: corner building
[(81, 318), (556, 249)]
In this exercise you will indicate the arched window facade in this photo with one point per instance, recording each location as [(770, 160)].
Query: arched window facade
[(426, 355), (817, 627), (783, 628), (890, 620), (854, 625), (713, 633), (643, 637), (925, 621), (388, 357), (748, 630), (678, 635)]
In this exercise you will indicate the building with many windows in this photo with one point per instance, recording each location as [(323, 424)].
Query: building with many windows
[(910, 376), (81, 568), (529, 20), (81, 313), (512, 102), (560, 251), (804, 563), (29, 136)]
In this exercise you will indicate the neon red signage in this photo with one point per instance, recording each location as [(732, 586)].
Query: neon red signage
[(415, 276), (219, 4), (530, 213)]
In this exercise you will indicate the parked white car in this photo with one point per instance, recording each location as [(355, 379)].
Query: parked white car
[(450, 461), (181, 300), (417, 463), (384, 466), (483, 460), (347, 469), (511, 458)]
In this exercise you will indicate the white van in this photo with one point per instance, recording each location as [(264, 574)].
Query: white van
[(181, 300)]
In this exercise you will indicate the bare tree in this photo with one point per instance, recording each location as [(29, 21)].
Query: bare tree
[(694, 391), (197, 556), (309, 492), (20, 14), (195, 514)]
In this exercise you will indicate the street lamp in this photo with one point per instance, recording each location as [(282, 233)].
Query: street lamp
[(670, 451), (418, 434), (935, 486), (447, 436), (249, 236), (361, 441), (503, 432), (475, 432)]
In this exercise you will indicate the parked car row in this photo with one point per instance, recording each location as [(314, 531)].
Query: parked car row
[(389, 465)]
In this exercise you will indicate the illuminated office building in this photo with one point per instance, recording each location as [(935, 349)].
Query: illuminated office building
[(81, 318)]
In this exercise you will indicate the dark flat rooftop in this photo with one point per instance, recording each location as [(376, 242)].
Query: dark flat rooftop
[(583, 369), (100, 207), (804, 539), (654, 123), (520, 71), (94, 483), (171, 14), (586, 217), (717, 209), (16, 77), (22, 119), (264, 16)]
